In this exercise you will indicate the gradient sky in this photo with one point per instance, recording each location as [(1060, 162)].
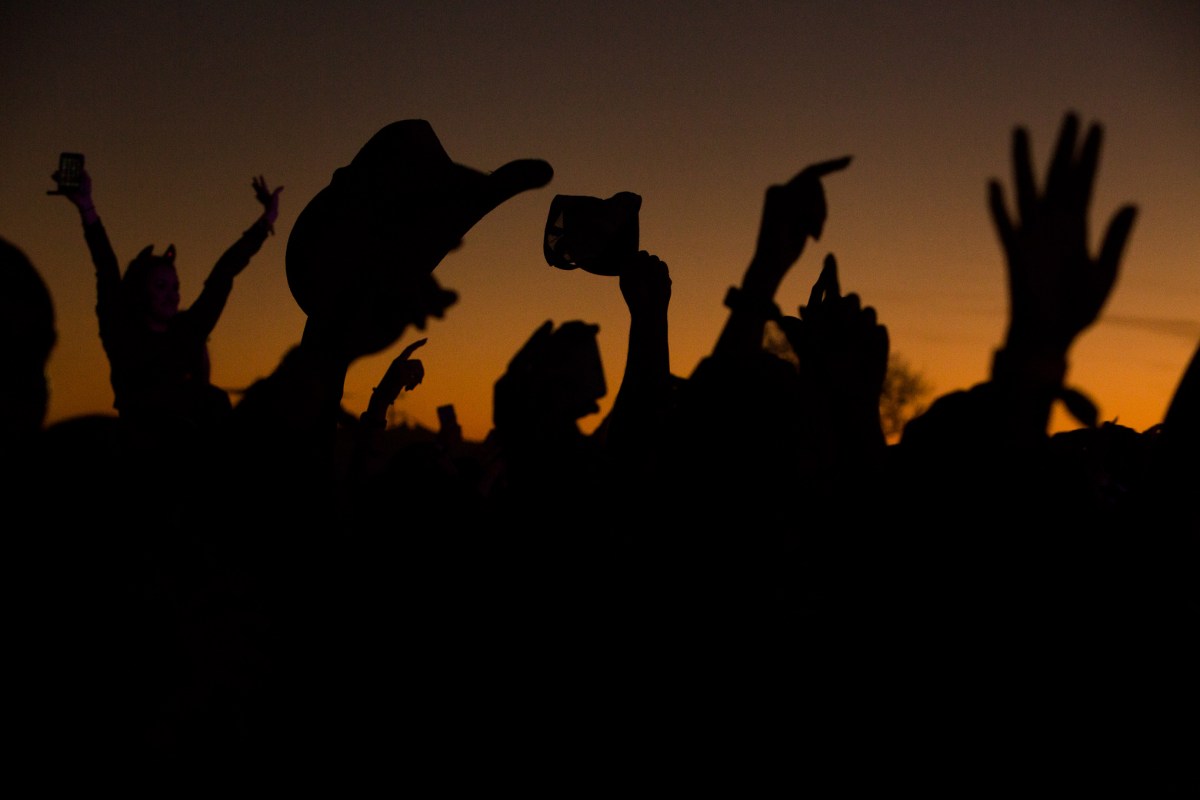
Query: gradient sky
[(696, 106)]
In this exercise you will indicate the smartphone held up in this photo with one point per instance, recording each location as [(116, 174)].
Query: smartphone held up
[(69, 174)]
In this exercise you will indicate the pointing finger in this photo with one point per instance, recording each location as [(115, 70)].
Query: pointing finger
[(408, 351), (823, 168)]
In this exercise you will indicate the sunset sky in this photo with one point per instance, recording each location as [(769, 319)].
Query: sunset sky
[(696, 106)]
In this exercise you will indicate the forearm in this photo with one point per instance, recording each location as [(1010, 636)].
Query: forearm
[(208, 307), (750, 306), (648, 359), (108, 272), (87, 212), (646, 381), (1182, 413), (368, 436), (237, 257), (375, 417), (1029, 380)]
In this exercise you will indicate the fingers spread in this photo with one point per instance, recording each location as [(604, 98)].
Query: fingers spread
[(1058, 179), (1004, 225), (1085, 170), (1114, 243), (1023, 175)]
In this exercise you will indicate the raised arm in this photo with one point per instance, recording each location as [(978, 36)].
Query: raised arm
[(81, 197), (642, 400), (1056, 290), (792, 213), (842, 354), (108, 271), (269, 200), (405, 373), (1056, 286), (207, 309)]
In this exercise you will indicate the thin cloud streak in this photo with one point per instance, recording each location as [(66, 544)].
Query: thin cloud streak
[(1182, 328)]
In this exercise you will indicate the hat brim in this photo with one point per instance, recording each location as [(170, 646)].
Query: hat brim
[(352, 235)]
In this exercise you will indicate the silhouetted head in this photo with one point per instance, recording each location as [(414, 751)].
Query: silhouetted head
[(27, 336), (368, 242), (1100, 465), (556, 377), (150, 287)]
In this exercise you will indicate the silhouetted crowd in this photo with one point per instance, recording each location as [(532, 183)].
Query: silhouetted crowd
[(735, 564)]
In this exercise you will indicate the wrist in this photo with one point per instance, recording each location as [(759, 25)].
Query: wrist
[(375, 418), (1046, 369), (384, 395), (261, 226), (1037, 339), (751, 302), (763, 276)]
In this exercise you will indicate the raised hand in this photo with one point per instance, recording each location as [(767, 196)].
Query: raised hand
[(1057, 288), (645, 284), (841, 347), (792, 213), (81, 197), (404, 373), (269, 200), (642, 397)]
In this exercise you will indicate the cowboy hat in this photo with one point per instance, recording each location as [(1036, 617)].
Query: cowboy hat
[(388, 218)]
